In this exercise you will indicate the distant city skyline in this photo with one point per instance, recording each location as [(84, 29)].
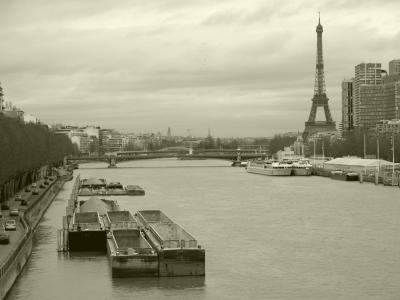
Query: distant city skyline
[(143, 67)]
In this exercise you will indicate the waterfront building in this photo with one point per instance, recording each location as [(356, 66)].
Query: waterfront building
[(356, 164), (114, 143), (83, 143), (14, 113), (378, 102), (92, 131), (30, 119), (83, 137), (320, 98), (104, 135), (370, 97), (331, 135), (394, 67), (367, 75), (347, 123), (388, 127), (298, 146), (286, 153)]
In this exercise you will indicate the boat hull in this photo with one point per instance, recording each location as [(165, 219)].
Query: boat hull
[(270, 171), (301, 171), (181, 262), (87, 240), (345, 177), (134, 265)]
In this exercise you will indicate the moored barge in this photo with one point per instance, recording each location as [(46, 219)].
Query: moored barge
[(99, 186), (86, 228), (130, 253), (143, 245), (134, 190), (178, 251)]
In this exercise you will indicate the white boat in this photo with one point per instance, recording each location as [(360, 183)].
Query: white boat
[(269, 168)]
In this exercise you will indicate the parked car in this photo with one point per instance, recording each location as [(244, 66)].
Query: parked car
[(27, 188), (10, 225), (24, 203), (42, 186), (46, 182), (35, 191), (14, 212), (4, 238), (34, 185), (18, 197)]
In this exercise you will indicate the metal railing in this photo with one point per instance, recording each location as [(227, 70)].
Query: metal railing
[(173, 243)]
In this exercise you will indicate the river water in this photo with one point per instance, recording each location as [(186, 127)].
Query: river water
[(265, 237)]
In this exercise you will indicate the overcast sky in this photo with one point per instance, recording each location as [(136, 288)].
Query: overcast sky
[(240, 68)]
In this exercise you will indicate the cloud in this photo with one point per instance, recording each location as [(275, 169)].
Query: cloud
[(239, 69)]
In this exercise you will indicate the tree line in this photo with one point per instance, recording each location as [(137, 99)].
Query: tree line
[(353, 144), (24, 147)]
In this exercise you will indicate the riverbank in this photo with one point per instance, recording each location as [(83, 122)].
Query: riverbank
[(385, 178), (16, 254)]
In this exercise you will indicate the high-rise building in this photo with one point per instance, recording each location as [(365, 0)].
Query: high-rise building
[(366, 74), (394, 67), (378, 102), (347, 105), (319, 99)]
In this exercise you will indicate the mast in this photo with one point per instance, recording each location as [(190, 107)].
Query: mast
[(377, 149), (365, 152), (393, 154)]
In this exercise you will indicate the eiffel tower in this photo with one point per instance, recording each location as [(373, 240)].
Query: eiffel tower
[(319, 99)]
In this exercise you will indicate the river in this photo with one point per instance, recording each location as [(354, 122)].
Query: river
[(265, 237)]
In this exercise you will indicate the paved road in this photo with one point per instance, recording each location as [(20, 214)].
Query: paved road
[(15, 236)]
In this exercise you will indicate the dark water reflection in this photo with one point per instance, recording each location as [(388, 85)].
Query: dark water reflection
[(181, 283)]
